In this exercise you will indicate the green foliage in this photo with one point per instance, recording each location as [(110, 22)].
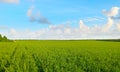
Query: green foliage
[(60, 56), (3, 39)]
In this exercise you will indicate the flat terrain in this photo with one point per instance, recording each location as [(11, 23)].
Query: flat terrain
[(60, 56)]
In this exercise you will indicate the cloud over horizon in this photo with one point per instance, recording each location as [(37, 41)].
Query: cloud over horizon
[(111, 29)]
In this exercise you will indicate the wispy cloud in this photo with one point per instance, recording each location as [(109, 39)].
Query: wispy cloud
[(36, 16), (3, 27), (10, 1), (92, 19)]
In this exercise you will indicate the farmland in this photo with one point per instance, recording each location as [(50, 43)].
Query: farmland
[(60, 56)]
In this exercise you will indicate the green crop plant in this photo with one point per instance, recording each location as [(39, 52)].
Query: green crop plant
[(59, 56)]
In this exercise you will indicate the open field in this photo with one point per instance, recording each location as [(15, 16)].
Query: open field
[(60, 56)]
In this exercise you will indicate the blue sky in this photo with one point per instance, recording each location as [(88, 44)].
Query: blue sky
[(14, 14)]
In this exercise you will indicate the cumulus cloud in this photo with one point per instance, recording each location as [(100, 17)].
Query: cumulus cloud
[(36, 16), (83, 26), (113, 17), (113, 12), (10, 1), (65, 31), (108, 25), (118, 26)]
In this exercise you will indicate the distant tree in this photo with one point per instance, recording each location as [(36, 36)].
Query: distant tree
[(3, 38)]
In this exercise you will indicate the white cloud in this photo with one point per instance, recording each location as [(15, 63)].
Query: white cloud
[(113, 12), (118, 26), (83, 27), (65, 31), (108, 25), (30, 10), (92, 19), (36, 16), (10, 1)]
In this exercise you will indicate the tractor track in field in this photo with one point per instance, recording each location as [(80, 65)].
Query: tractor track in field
[(13, 53), (37, 61), (8, 62)]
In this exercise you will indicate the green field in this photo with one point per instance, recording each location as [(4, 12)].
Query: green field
[(60, 56)]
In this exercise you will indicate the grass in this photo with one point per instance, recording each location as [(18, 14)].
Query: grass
[(60, 56)]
